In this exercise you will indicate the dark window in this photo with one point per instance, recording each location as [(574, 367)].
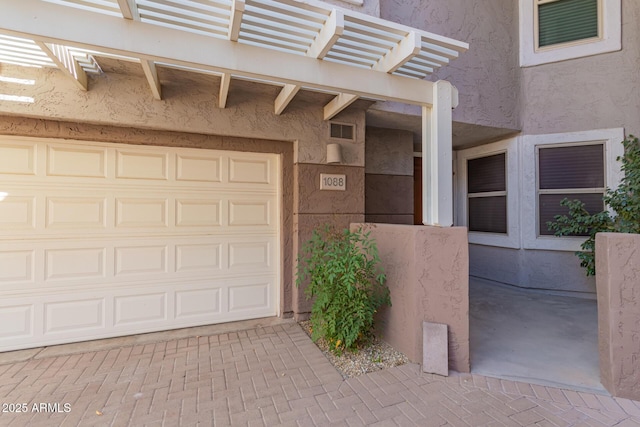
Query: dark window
[(488, 214), (572, 172), (572, 167), (486, 174), (565, 21), (487, 194)]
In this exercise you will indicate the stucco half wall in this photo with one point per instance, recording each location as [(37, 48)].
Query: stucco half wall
[(617, 279), (427, 272)]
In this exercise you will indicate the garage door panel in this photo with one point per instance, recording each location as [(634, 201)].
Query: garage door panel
[(249, 297), (198, 168), (17, 266), (249, 170), (142, 165), (142, 212), (250, 256), (198, 257), (16, 321), (17, 212), (68, 161), (140, 260), (72, 316), (147, 308), (249, 212), (198, 303), (85, 263), (74, 212), (198, 212), (99, 240), (18, 158)]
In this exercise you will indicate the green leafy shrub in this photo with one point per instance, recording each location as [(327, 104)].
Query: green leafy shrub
[(347, 283), (624, 201)]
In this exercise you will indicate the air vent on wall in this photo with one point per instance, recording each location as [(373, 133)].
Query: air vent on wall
[(343, 131)]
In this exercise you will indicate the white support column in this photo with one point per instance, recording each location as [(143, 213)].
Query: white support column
[(437, 162)]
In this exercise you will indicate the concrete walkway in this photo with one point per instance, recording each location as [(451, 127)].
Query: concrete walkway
[(531, 335), (273, 376)]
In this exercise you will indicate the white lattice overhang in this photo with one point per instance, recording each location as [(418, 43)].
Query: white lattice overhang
[(297, 44)]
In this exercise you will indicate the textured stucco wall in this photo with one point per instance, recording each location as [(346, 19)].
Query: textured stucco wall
[(189, 105), (427, 274), (537, 269), (487, 75), (596, 92), (617, 277), (313, 208), (389, 176)]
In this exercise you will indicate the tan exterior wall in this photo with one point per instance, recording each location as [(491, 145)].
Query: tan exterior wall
[(595, 92), (315, 208), (388, 176), (427, 274), (119, 108), (121, 97), (617, 278), (488, 74), (536, 269)]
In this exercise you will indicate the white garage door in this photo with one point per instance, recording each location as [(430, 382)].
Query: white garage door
[(100, 240)]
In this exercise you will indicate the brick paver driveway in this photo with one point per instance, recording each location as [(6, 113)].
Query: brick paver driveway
[(273, 376)]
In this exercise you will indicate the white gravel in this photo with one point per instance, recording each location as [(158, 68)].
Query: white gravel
[(376, 356)]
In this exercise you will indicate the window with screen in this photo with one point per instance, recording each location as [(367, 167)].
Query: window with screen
[(487, 194), (575, 172), (557, 30), (566, 21)]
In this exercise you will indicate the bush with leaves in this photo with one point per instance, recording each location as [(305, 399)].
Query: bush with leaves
[(623, 201), (348, 285)]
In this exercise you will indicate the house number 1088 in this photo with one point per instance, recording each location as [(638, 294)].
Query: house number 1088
[(333, 182)]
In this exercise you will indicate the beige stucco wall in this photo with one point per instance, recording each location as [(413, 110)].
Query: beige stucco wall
[(617, 277), (190, 104), (487, 75), (537, 269), (596, 92), (427, 274), (313, 208)]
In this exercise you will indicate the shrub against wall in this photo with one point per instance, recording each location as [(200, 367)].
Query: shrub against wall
[(348, 285), (624, 202)]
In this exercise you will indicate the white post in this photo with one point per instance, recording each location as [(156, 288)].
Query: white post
[(437, 162)]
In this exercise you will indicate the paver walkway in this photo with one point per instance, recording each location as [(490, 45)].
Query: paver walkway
[(275, 376)]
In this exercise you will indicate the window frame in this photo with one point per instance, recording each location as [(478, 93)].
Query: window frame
[(583, 190), (611, 138), (609, 35), (510, 148), (484, 194)]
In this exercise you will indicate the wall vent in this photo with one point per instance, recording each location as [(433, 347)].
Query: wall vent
[(342, 131)]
